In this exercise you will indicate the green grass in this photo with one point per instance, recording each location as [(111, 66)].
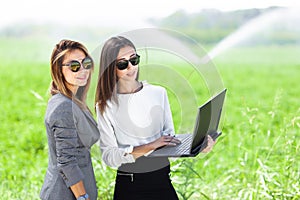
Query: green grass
[(257, 157)]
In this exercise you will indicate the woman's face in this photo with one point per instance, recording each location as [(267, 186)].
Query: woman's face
[(130, 73), (75, 79)]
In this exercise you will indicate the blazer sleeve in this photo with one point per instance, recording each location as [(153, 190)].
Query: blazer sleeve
[(66, 143)]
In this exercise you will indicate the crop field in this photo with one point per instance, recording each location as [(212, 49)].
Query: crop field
[(257, 156)]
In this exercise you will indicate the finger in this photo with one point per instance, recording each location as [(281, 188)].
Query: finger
[(175, 140), (206, 150), (168, 138), (171, 144), (165, 138), (210, 140)]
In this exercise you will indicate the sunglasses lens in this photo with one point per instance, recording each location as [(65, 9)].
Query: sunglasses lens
[(75, 66), (122, 64), (87, 63), (135, 60)]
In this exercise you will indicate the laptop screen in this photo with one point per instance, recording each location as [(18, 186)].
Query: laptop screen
[(208, 118)]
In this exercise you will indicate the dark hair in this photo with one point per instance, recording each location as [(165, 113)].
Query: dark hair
[(58, 83), (107, 79)]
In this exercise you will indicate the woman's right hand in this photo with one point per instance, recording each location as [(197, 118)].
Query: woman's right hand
[(165, 141), (160, 142)]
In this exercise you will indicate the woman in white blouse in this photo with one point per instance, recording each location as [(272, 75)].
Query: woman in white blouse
[(134, 118)]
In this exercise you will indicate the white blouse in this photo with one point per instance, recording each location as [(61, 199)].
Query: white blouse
[(139, 118)]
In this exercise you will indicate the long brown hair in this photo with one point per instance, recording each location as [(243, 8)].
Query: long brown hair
[(58, 83), (107, 78)]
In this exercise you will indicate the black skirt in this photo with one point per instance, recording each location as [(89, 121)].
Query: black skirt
[(154, 185)]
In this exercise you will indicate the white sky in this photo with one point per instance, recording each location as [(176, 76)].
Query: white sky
[(132, 13)]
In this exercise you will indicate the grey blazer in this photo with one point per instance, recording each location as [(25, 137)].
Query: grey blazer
[(71, 132)]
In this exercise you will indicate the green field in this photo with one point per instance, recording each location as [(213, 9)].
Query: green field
[(257, 157)]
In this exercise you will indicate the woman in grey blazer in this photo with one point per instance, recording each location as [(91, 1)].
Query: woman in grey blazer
[(71, 128)]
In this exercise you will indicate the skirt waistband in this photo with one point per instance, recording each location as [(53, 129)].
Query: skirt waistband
[(152, 174)]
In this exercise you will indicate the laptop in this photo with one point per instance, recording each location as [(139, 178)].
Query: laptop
[(207, 122)]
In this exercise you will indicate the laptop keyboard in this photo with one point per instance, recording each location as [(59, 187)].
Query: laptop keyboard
[(182, 149), (185, 145)]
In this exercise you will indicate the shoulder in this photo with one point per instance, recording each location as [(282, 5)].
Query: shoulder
[(156, 89), (109, 106), (59, 107), (60, 102)]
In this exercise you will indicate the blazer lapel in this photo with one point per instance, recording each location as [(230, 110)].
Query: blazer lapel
[(90, 117), (87, 126)]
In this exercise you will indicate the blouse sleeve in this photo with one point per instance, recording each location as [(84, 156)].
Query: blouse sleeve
[(168, 128), (112, 154)]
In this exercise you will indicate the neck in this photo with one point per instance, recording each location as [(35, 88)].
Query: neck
[(73, 88), (127, 87)]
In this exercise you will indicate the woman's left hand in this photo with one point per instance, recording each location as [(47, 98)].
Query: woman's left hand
[(210, 144)]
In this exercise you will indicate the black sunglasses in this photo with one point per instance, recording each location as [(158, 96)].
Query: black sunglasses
[(123, 64), (75, 65)]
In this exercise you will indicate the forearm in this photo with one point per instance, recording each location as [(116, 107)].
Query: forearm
[(78, 189), (146, 148), (139, 151)]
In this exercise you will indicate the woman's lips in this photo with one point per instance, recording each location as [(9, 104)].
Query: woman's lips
[(131, 73)]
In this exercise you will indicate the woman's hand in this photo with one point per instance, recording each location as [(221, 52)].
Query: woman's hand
[(210, 144), (160, 142), (165, 141)]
